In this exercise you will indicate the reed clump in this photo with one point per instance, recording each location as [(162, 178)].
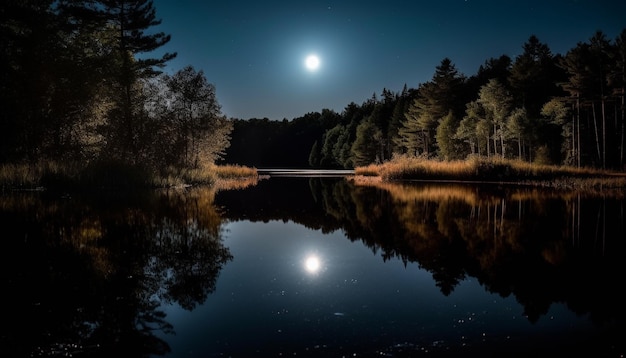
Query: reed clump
[(492, 170), (233, 171), (115, 175)]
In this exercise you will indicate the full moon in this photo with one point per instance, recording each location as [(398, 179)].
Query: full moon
[(312, 264), (312, 62)]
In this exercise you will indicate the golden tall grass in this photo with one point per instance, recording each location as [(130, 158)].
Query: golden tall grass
[(233, 171), (492, 170), (51, 175)]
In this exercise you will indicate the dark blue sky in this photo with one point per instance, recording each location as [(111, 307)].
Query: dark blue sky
[(254, 51)]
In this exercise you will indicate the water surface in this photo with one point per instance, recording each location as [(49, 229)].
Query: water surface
[(315, 266)]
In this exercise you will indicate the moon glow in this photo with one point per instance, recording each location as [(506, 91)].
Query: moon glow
[(312, 264), (312, 62)]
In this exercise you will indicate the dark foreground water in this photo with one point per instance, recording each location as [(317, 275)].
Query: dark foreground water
[(314, 266)]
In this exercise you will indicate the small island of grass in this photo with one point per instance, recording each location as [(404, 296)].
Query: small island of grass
[(491, 170)]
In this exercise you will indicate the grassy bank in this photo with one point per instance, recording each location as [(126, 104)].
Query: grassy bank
[(492, 170), (115, 175)]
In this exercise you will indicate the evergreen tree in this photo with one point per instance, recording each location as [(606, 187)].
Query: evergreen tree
[(131, 19), (578, 87), (414, 134), (433, 102), (617, 80), (533, 76), (397, 119), (498, 68), (600, 52), (587, 72)]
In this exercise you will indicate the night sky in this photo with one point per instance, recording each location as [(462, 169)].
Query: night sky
[(254, 51)]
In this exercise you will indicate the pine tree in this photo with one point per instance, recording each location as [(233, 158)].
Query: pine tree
[(617, 80), (433, 102), (532, 76), (131, 19)]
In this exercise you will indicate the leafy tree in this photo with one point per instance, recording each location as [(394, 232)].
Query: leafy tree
[(557, 112), (449, 148), (195, 117), (314, 155), (366, 148), (468, 127), (516, 127), (342, 149), (496, 101), (483, 132), (334, 140)]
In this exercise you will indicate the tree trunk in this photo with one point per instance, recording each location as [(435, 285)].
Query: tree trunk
[(578, 128), (595, 128), (603, 134), (621, 156), (495, 139)]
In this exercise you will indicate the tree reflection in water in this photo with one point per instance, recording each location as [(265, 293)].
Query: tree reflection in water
[(86, 276), (541, 246)]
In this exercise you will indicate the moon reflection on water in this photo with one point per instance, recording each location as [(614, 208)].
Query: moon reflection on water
[(312, 264)]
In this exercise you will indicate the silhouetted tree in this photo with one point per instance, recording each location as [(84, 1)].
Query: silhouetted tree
[(130, 19), (532, 76), (498, 68), (617, 80)]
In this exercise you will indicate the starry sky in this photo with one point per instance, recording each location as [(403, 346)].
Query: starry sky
[(254, 51)]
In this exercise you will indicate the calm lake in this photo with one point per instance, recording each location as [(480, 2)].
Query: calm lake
[(314, 266)]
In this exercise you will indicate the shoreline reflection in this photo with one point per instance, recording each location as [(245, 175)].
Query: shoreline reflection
[(411, 265)]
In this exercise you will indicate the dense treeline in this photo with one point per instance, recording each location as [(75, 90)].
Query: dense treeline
[(538, 107), (79, 85), (266, 143)]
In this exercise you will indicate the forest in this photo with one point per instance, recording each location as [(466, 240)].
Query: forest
[(79, 86), (538, 107)]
